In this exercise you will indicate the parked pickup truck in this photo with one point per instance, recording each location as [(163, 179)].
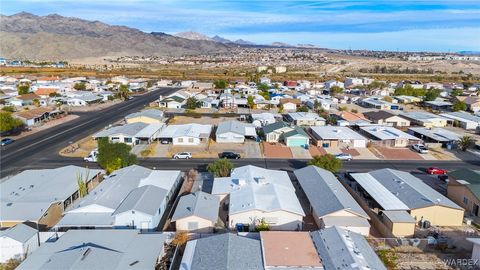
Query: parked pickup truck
[(92, 157)]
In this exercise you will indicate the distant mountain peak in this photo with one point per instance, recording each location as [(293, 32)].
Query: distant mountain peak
[(192, 35)]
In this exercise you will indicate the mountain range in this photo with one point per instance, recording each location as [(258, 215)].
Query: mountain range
[(199, 36), (54, 37)]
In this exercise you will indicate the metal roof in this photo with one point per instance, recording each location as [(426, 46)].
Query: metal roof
[(398, 190), (186, 130), (422, 116), (20, 232), (274, 126), (341, 249), (437, 134), (336, 133), (387, 133), (127, 129), (27, 195), (325, 192), (130, 188), (234, 127), (305, 116), (462, 116), (223, 251), (198, 204), (399, 216), (99, 249), (150, 113)]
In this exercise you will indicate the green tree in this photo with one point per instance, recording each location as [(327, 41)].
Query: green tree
[(250, 102), (342, 108), (220, 168), (263, 87), (36, 102), (23, 89), (335, 90), (80, 86), (193, 103), (432, 94), (265, 95), (113, 156), (220, 84), (456, 92), (82, 184), (328, 162), (123, 91), (465, 142), (353, 110), (459, 106), (262, 226), (408, 90), (302, 108), (8, 109), (8, 122), (376, 85)]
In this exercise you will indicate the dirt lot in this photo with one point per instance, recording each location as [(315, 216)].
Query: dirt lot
[(316, 151), (276, 150), (80, 148), (395, 153)]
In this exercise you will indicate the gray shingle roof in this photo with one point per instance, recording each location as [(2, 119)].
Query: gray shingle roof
[(340, 249), (227, 251), (20, 232), (325, 192), (295, 132), (198, 204), (272, 127), (99, 249), (231, 126)]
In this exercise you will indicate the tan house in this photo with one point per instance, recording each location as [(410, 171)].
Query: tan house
[(386, 118), (473, 103), (150, 116), (196, 212), (400, 223), (393, 190), (464, 189), (41, 196)]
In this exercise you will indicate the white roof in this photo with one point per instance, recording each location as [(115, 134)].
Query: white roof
[(305, 116), (387, 133), (186, 130), (381, 194), (336, 133), (438, 134)]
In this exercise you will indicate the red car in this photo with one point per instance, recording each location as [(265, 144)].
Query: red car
[(435, 170)]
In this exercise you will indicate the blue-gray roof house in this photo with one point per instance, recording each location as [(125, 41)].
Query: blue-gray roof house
[(222, 251), (345, 250), (331, 204), (196, 212), (99, 249)]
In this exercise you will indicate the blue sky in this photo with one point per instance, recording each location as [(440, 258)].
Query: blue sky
[(422, 25)]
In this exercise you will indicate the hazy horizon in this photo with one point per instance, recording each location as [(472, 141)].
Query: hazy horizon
[(442, 26)]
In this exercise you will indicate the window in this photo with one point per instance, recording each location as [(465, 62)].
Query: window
[(180, 140), (465, 200), (127, 140), (192, 225), (190, 140), (475, 209)]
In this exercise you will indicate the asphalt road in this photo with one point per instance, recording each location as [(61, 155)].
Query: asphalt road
[(277, 164), (35, 150)]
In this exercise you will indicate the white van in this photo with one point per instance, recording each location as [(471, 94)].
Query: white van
[(92, 157)]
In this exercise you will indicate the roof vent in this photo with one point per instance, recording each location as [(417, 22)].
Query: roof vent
[(189, 208), (85, 254), (9, 204)]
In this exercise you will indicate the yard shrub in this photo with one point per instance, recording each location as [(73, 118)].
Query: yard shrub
[(113, 156), (220, 168), (388, 257), (328, 162)]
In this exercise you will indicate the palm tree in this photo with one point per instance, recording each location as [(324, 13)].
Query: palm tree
[(465, 142)]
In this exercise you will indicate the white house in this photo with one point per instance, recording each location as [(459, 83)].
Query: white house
[(84, 100), (256, 194), (262, 119), (336, 136), (187, 134), (329, 84), (306, 119), (132, 134), (234, 132), (133, 197), (17, 242), (426, 119), (465, 119)]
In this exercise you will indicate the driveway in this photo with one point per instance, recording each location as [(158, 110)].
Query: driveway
[(276, 150), (317, 150), (396, 153), (300, 153)]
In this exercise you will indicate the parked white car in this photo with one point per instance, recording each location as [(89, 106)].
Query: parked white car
[(182, 155), (344, 156), (420, 148), (92, 157)]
